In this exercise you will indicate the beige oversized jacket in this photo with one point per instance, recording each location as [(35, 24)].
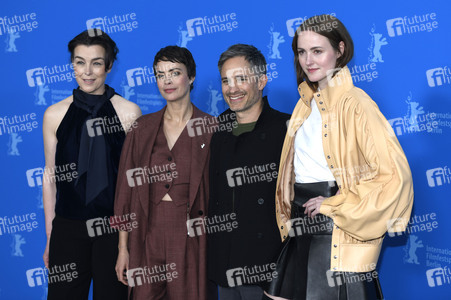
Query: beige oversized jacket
[(369, 165)]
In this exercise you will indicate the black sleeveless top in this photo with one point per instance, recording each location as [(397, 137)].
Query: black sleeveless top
[(101, 135)]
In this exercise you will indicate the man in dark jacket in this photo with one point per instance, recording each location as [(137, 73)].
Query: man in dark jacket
[(243, 240)]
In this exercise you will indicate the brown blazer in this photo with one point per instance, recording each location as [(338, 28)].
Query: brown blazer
[(136, 154)]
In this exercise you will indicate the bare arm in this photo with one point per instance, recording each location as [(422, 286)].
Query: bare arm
[(122, 258), (52, 119), (127, 112)]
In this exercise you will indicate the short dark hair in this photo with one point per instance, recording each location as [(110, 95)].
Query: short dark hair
[(177, 54), (334, 30), (250, 53), (100, 38)]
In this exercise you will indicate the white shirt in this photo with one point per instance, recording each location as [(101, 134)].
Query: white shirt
[(310, 164)]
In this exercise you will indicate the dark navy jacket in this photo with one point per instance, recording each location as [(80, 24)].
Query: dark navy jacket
[(243, 175)]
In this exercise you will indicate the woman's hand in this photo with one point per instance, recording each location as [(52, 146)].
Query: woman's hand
[(45, 257), (312, 206), (122, 265)]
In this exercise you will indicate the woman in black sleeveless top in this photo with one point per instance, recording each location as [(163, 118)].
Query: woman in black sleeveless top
[(83, 137)]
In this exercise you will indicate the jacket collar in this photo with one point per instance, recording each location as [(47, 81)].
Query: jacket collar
[(337, 85), (265, 114)]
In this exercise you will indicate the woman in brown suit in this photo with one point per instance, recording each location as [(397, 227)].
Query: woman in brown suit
[(162, 187)]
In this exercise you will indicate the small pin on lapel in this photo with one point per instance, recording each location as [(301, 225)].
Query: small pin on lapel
[(202, 146)]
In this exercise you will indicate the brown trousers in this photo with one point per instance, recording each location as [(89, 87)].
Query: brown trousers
[(170, 256)]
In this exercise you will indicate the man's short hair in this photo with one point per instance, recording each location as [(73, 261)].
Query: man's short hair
[(250, 53)]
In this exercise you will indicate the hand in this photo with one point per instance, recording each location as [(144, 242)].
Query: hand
[(45, 257), (312, 206), (274, 297), (122, 266)]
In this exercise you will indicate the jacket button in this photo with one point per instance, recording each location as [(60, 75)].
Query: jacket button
[(331, 166), (328, 157), (335, 257), (200, 212), (281, 227), (321, 102), (261, 201), (334, 268), (284, 236), (323, 109), (318, 95), (325, 125), (166, 185), (335, 245), (170, 158), (325, 135)]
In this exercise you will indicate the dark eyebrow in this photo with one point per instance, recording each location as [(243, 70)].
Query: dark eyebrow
[(234, 76), (96, 58), (313, 48), (170, 70)]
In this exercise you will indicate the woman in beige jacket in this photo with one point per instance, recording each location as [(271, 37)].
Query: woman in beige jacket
[(343, 179)]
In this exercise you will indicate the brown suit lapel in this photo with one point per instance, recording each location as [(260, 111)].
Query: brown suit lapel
[(200, 147), (146, 142)]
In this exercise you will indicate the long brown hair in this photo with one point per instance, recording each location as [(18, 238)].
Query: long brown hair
[(332, 28)]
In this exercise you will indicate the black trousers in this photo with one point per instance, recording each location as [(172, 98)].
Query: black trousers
[(76, 258), (244, 292)]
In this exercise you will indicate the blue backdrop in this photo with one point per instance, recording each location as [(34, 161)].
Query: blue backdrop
[(401, 60)]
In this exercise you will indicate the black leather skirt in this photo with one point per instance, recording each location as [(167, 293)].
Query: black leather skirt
[(304, 261)]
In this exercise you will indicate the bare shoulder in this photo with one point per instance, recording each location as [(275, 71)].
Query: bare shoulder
[(59, 107), (127, 111), (55, 113), (124, 107)]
